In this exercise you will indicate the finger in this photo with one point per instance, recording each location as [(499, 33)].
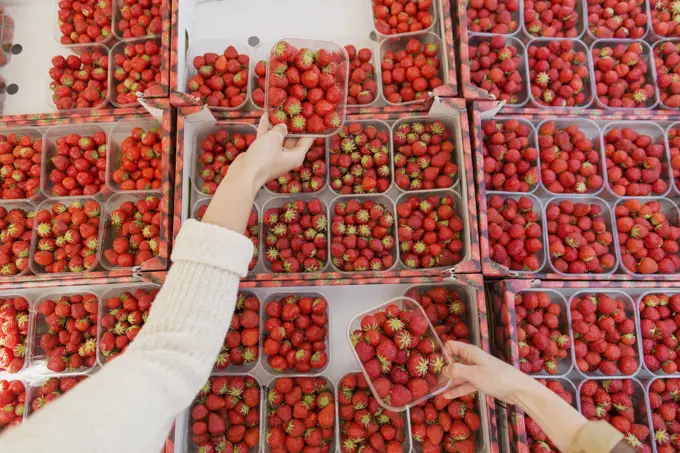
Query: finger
[(460, 371), (281, 130), (303, 144), (461, 390), (263, 127), (289, 143), (456, 381), (469, 353)]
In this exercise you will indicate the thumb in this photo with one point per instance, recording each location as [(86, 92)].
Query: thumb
[(278, 133), (457, 351)]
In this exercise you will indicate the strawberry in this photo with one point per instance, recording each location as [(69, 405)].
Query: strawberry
[(12, 397), (406, 18), (674, 146), (308, 177), (552, 19), (446, 310), (84, 22), (51, 389), (664, 407), (363, 86), (563, 87), (140, 18), (510, 156), (495, 68), (220, 80), (634, 88), (617, 19), (80, 82), (16, 226), (77, 165), (21, 159), (244, 331), (659, 323), (491, 16), (403, 80), (14, 316), (137, 69), (665, 62), (218, 151), (140, 161), (259, 77), (664, 15)]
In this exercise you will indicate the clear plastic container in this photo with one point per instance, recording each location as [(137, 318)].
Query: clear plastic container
[(24, 383), (676, 181), (264, 361), (398, 42), (342, 77), (257, 54), (387, 203), (590, 37), (373, 46), (118, 133), (47, 205), (638, 320), (245, 369), (50, 151), (218, 46), (6, 38), (630, 310), (517, 16), (113, 83), (29, 333), (35, 134), (56, 31), (581, 23), (651, 35), (648, 408), (117, 17), (403, 303), (198, 205), (27, 208), (655, 71), (435, 17), (33, 390)]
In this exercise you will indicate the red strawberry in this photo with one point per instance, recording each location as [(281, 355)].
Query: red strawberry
[(137, 69), (140, 158), (492, 17), (220, 80), (502, 78), (634, 88), (22, 156), (363, 86), (139, 20), (549, 19), (393, 21), (80, 81), (403, 80), (630, 21)]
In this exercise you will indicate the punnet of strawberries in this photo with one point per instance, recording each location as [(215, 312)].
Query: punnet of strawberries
[(219, 149), (362, 86), (140, 161), (140, 18), (364, 423), (306, 89), (84, 21), (493, 16), (225, 415), (423, 156), (553, 19), (51, 389), (16, 229), (221, 80), (648, 243), (410, 72), (392, 18), (430, 232), (133, 232), (621, 19), (536, 439), (20, 160), (137, 69), (580, 240), (667, 63), (241, 344), (515, 233), (663, 402), (665, 15), (80, 81), (621, 403), (605, 335), (301, 415), (260, 76), (570, 161), (295, 237), (66, 237), (124, 315), (12, 401), (399, 354), (308, 177), (558, 73), (296, 334), (497, 67), (78, 165), (510, 156), (66, 332), (359, 158), (674, 148), (14, 319), (446, 309), (658, 326), (622, 75)]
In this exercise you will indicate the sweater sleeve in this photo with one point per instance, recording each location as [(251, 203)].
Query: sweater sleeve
[(130, 404)]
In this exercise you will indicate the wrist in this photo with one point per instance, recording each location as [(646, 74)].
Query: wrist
[(242, 178)]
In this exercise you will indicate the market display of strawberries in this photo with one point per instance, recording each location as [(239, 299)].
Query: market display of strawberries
[(622, 76), (495, 68), (20, 157), (423, 156), (510, 160), (658, 324), (220, 80), (139, 18), (84, 21), (66, 236), (552, 19), (446, 309), (570, 162), (218, 151), (306, 88), (559, 75), (410, 73), (391, 18), (16, 229), (296, 334), (301, 415), (536, 439), (363, 87), (666, 60), (80, 81), (77, 165), (140, 161), (492, 16), (515, 233), (295, 237), (138, 68), (449, 425), (12, 400), (616, 401), (399, 355), (308, 177), (241, 344), (363, 422), (579, 240), (134, 235), (362, 236), (225, 416), (14, 323), (605, 337), (360, 159), (429, 231), (52, 389), (66, 332), (648, 243), (260, 76), (621, 19), (124, 315), (663, 402), (665, 16)]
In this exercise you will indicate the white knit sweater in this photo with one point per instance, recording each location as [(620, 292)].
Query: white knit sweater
[(130, 405)]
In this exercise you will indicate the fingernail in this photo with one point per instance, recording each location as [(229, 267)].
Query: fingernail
[(283, 127)]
